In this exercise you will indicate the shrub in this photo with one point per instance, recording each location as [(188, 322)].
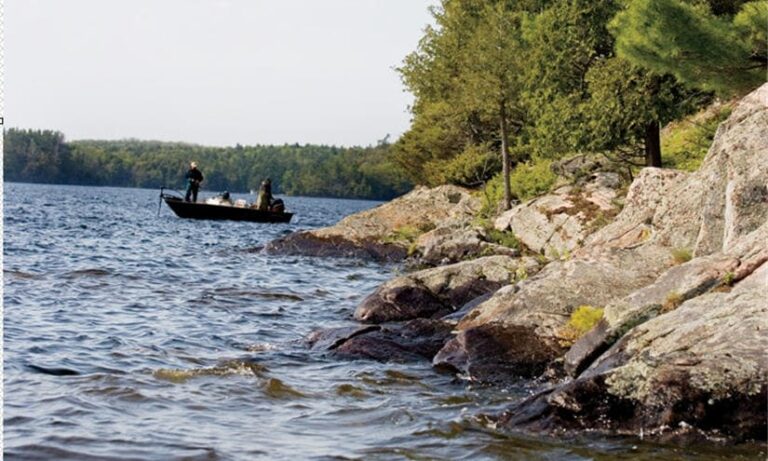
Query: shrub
[(681, 255), (532, 179), (492, 194), (583, 319), (673, 301), (526, 181), (507, 239), (474, 166), (404, 234), (685, 143)]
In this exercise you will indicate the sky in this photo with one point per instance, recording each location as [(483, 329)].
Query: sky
[(212, 72)]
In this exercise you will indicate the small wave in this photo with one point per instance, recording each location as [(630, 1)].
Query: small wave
[(226, 368), (451, 430), (53, 371), (21, 275), (277, 389), (349, 390), (245, 293), (94, 272), (260, 347)]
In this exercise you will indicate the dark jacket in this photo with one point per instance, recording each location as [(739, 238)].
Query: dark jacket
[(194, 175)]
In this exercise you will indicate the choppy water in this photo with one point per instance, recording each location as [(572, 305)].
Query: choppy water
[(133, 336)]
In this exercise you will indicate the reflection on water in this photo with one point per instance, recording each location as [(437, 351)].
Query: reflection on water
[(133, 336)]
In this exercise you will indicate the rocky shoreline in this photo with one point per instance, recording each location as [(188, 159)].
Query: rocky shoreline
[(677, 268)]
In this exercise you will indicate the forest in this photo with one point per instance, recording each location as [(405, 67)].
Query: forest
[(502, 88), (44, 156)]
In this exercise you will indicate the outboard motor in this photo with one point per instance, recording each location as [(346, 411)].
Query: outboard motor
[(278, 206)]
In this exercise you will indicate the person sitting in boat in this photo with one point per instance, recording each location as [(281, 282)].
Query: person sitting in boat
[(277, 206), (264, 199), (194, 178), (222, 199)]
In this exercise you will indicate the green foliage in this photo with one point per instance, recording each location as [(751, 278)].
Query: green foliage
[(492, 194), (583, 319), (528, 180), (465, 81), (473, 167), (728, 278), (713, 52), (681, 255), (625, 100), (563, 42), (532, 179), (408, 235), (404, 234), (687, 142), (503, 238), (43, 156)]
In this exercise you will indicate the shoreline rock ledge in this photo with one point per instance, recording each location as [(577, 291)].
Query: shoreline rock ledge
[(384, 232)]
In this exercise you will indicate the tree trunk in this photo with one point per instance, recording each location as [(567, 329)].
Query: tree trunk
[(505, 154), (652, 145)]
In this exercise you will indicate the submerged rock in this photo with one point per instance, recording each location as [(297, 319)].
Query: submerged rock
[(385, 232), (441, 290), (416, 340)]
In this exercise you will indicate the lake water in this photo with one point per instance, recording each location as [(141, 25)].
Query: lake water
[(129, 335)]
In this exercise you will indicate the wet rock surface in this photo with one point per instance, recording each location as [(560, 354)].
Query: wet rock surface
[(442, 290), (308, 243), (416, 340), (496, 353)]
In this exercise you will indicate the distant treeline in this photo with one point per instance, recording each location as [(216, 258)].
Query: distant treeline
[(43, 156)]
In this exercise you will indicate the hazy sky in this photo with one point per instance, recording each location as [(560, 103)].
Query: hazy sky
[(214, 72)]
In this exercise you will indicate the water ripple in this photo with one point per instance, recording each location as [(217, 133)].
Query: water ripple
[(132, 336)]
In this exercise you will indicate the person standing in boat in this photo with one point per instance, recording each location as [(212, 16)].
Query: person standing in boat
[(264, 199), (194, 178)]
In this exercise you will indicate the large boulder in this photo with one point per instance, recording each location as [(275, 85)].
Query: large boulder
[(385, 232), (699, 368), (449, 244), (529, 315), (677, 284), (664, 211), (497, 353), (442, 290), (708, 210), (558, 223)]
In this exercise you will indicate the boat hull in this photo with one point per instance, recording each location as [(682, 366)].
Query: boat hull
[(191, 210)]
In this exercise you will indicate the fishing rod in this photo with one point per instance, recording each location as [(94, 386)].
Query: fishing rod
[(160, 200)]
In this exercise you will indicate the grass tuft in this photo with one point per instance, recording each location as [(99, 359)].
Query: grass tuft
[(583, 319)]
